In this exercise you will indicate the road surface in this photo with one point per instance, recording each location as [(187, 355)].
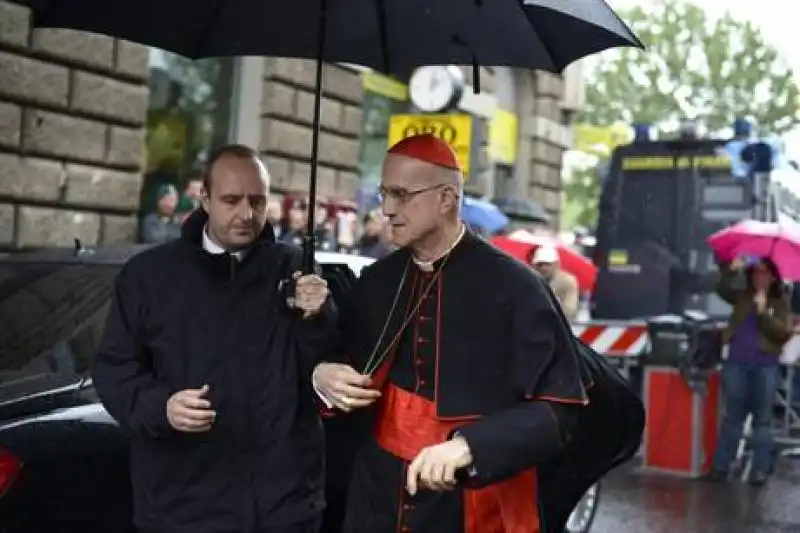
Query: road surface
[(632, 501)]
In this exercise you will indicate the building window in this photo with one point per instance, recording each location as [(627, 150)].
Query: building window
[(383, 97), (192, 108)]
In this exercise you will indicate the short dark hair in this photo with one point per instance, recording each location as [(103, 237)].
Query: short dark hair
[(235, 150), (194, 174)]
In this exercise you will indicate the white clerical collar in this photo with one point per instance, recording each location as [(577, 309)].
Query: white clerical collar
[(427, 266), (215, 249)]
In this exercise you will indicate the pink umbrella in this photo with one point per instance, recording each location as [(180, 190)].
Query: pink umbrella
[(779, 242)]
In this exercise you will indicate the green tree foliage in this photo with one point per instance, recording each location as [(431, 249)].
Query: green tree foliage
[(695, 66), (581, 196)]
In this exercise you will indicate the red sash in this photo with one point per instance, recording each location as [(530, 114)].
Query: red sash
[(407, 423)]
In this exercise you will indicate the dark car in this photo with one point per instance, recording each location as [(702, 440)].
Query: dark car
[(63, 460)]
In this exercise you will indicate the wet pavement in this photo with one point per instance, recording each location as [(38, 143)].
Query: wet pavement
[(633, 501)]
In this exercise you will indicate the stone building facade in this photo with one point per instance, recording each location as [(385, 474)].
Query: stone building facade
[(73, 120), (544, 136), (287, 109), (72, 114)]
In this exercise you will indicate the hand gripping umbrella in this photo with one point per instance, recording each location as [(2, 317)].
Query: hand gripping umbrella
[(392, 36)]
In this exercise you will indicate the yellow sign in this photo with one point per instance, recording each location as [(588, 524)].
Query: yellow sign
[(600, 140), (503, 137), (385, 86), (668, 163), (456, 130)]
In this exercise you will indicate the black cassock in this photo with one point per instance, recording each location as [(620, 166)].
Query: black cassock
[(489, 351)]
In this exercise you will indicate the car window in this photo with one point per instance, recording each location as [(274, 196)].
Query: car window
[(51, 319)]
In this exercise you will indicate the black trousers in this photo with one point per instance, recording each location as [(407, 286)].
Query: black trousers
[(304, 527)]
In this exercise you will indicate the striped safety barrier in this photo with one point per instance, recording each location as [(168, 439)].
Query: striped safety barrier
[(618, 340)]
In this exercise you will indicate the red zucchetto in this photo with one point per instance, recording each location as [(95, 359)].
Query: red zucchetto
[(427, 148)]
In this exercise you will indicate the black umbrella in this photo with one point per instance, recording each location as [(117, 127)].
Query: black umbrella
[(392, 36)]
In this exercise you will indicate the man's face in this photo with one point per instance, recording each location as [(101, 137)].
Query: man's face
[(194, 189), (237, 202), (414, 202), (545, 269), (167, 204), (297, 220)]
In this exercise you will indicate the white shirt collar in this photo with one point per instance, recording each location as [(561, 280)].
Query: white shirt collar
[(215, 249), (427, 266)]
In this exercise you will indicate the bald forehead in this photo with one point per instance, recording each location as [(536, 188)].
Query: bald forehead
[(230, 166), (403, 171)]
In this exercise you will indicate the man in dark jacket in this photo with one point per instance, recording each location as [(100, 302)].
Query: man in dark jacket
[(208, 369), (371, 242)]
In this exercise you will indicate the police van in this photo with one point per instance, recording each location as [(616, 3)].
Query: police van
[(660, 201)]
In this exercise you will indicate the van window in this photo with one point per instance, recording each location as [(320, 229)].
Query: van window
[(51, 319)]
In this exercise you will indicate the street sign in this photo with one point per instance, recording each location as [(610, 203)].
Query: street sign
[(455, 129)]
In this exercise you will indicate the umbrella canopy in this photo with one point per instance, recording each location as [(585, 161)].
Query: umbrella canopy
[(569, 260), (483, 214), (393, 36), (388, 35), (779, 242)]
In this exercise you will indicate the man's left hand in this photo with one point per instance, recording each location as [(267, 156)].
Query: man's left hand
[(435, 467), (310, 293)]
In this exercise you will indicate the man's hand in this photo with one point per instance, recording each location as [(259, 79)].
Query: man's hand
[(189, 411), (760, 299), (435, 467), (310, 294), (345, 388)]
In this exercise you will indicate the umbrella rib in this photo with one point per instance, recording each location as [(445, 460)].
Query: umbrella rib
[(545, 46)]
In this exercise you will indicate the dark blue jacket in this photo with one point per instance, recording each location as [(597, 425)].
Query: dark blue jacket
[(182, 318)]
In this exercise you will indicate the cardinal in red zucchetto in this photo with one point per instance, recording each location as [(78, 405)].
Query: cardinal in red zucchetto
[(458, 389)]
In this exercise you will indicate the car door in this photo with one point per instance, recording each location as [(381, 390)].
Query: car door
[(63, 463)]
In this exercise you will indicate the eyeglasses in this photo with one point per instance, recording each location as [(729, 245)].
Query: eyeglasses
[(403, 196)]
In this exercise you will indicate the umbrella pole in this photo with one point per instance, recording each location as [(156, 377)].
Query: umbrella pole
[(309, 241)]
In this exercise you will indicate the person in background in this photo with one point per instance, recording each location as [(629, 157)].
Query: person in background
[(757, 329), (192, 194), (162, 225), (371, 243), (346, 227), (295, 224), (275, 216), (324, 234), (565, 285)]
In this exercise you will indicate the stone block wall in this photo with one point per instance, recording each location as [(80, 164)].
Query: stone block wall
[(543, 141), (286, 115), (548, 146), (72, 112)]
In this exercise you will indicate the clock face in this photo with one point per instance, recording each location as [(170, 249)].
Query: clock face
[(431, 88)]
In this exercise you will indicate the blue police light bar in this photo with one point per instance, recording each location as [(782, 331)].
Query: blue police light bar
[(742, 127)]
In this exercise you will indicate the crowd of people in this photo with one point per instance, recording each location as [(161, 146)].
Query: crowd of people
[(337, 230)]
